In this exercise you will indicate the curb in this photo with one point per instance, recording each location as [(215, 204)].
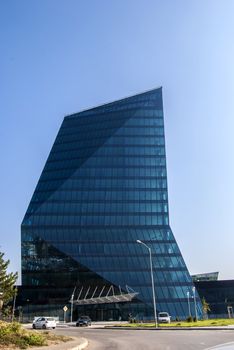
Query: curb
[(171, 328), (74, 344), (81, 346)]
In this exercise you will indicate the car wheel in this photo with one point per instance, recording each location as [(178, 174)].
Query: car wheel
[(34, 327), (44, 326), (53, 327)]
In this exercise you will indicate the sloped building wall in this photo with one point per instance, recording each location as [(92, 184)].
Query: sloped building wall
[(104, 186)]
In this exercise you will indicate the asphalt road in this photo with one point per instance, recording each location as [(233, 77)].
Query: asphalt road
[(108, 339)]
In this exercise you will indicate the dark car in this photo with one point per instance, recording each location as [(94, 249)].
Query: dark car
[(83, 321)]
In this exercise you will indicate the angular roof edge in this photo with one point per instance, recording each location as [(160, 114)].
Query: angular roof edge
[(113, 101)]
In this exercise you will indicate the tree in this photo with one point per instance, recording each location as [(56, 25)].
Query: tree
[(205, 308), (7, 282)]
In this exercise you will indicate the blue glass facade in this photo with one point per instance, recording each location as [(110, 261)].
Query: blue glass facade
[(104, 186)]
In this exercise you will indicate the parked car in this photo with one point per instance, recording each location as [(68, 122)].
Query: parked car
[(44, 323), (83, 321), (163, 317)]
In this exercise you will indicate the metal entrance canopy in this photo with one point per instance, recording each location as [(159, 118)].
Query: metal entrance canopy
[(109, 297)]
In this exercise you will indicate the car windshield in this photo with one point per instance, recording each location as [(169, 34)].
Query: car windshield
[(163, 314), (84, 317)]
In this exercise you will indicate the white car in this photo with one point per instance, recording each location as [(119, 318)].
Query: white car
[(44, 323), (163, 317)]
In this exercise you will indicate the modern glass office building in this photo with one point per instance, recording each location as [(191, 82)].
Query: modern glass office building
[(103, 187)]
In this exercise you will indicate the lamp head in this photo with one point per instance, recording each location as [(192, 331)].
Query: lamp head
[(138, 241)]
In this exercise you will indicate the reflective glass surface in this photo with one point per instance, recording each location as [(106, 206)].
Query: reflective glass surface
[(104, 186)]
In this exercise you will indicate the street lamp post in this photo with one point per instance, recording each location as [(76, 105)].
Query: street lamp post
[(152, 280), (28, 307), (188, 296), (13, 308), (195, 304), (72, 299)]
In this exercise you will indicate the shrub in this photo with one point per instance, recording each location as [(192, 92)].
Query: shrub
[(132, 320), (9, 328), (21, 343), (35, 339), (12, 334), (189, 319)]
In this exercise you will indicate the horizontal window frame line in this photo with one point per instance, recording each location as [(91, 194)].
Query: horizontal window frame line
[(107, 156), (83, 256), (107, 145), (79, 117), (81, 214), (164, 177), (109, 124), (61, 139), (102, 241), (101, 167), (83, 123), (100, 271), (84, 201), (117, 189), (82, 128), (50, 159), (121, 107), (102, 187), (92, 112), (105, 138), (53, 150), (96, 201), (163, 226)]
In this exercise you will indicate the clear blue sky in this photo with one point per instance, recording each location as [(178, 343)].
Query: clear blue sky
[(60, 56)]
